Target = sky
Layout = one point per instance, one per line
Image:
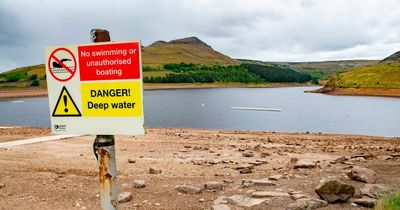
(267, 30)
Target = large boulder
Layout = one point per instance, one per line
(362, 174)
(332, 190)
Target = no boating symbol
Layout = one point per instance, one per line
(62, 64)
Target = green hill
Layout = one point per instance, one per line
(319, 69)
(24, 77)
(383, 75)
(377, 76)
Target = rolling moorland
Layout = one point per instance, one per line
(190, 60)
(381, 78)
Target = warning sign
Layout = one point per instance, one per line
(62, 64)
(65, 106)
(95, 89)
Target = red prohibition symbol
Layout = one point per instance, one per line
(62, 66)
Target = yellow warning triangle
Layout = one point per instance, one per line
(66, 106)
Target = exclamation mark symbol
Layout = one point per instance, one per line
(65, 103)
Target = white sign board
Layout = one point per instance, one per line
(95, 89)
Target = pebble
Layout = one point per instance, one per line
(305, 164)
(2, 185)
(268, 194)
(275, 177)
(155, 171)
(213, 186)
(366, 202)
(139, 184)
(130, 160)
(247, 154)
(220, 207)
(187, 189)
(307, 203)
(124, 197)
(257, 182)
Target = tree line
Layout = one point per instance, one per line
(244, 73)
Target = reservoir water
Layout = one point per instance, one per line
(211, 108)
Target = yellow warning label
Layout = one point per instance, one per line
(65, 106)
(106, 99)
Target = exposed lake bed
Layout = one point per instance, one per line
(283, 168)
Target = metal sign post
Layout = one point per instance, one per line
(97, 89)
(105, 151)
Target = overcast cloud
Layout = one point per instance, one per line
(268, 30)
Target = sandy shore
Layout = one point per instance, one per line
(10, 93)
(359, 91)
(63, 174)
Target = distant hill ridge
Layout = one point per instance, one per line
(393, 58)
(186, 50)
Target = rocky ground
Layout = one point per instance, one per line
(204, 169)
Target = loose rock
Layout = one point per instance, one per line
(187, 189)
(257, 182)
(298, 196)
(245, 171)
(332, 190)
(376, 190)
(366, 202)
(2, 185)
(268, 194)
(139, 184)
(124, 197)
(130, 160)
(220, 207)
(307, 203)
(305, 164)
(275, 177)
(247, 154)
(247, 202)
(362, 174)
(341, 159)
(213, 186)
(155, 171)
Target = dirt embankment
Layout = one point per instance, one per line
(358, 91)
(63, 174)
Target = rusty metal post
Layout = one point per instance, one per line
(105, 150)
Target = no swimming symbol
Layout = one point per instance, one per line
(62, 64)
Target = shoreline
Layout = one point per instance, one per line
(12, 93)
(390, 92)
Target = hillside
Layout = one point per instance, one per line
(24, 77)
(383, 78)
(187, 50)
(377, 76)
(319, 69)
(394, 58)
